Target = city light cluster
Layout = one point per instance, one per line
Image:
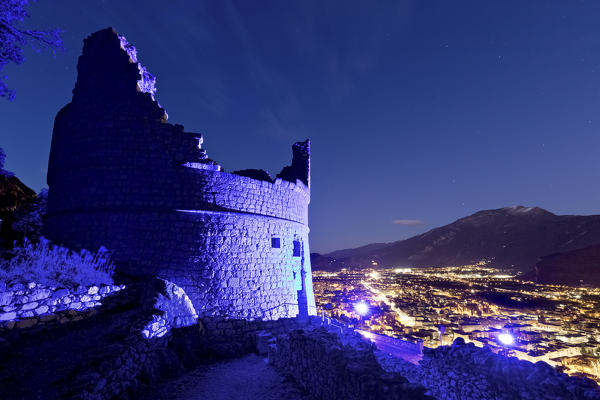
(483, 305)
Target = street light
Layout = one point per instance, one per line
(506, 340)
(361, 308)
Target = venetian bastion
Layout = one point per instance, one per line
(121, 177)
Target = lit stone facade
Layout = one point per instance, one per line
(123, 178)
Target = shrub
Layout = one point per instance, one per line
(56, 266)
(29, 219)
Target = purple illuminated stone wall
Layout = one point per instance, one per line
(35, 305)
(121, 177)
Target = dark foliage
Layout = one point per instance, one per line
(14, 195)
(57, 266)
(29, 219)
(13, 37)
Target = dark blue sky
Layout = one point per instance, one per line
(419, 112)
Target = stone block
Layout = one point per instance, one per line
(39, 294)
(29, 306)
(8, 316)
(41, 309)
(6, 298)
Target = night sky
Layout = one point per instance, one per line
(419, 112)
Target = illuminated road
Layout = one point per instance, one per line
(399, 348)
(403, 317)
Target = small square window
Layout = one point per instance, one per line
(297, 249)
(276, 243)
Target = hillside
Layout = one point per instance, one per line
(13, 195)
(575, 267)
(508, 237)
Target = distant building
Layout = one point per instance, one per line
(572, 338)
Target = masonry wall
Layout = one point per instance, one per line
(466, 372)
(327, 368)
(123, 178)
(225, 263)
(34, 304)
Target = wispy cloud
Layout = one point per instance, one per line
(280, 109)
(346, 43)
(211, 92)
(408, 222)
(276, 127)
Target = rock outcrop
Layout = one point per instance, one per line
(466, 372)
(329, 368)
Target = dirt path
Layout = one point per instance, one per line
(247, 378)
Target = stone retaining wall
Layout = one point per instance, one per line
(232, 338)
(104, 355)
(126, 365)
(329, 367)
(25, 306)
(466, 372)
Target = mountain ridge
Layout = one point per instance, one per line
(513, 237)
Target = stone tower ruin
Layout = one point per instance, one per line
(121, 177)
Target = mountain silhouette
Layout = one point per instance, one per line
(509, 237)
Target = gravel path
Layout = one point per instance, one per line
(246, 378)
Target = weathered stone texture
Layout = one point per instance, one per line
(123, 178)
(37, 304)
(466, 372)
(329, 367)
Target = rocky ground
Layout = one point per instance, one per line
(246, 378)
(95, 356)
(104, 356)
(465, 372)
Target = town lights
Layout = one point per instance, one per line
(361, 308)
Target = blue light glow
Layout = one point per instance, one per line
(362, 308)
(506, 339)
